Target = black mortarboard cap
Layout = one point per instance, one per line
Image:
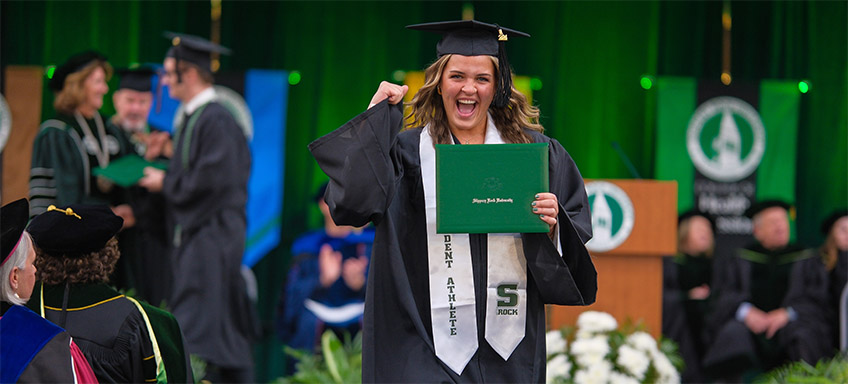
(827, 224)
(695, 212)
(73, 64)
(74, 231)
(137, 79)
(13, 221)
(194, 49)
(756, 208)
(473, 38)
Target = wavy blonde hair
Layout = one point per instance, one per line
(427, 108)
(72, 94)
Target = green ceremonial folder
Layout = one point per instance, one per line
(488, 188)
(126, 170)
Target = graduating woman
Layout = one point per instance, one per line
(430, 321)
(124, 340)
(32, 349)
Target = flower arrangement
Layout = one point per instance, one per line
(601, 353)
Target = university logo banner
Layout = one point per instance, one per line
(727, 147)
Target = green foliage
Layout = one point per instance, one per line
(338, 363)
(826, 371)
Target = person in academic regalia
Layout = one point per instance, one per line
(123, 339)
(770, 301)
(144, 244)
(205, 190)
(325, 288)
(76, 140)
(428, 320)
(32, 349)
(834, 253)
(686, 289)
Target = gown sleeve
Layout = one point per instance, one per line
(363, 165)
(56, 172)
(569, 279)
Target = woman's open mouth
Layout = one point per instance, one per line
(466, 107)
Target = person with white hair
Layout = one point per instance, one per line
(32, 349)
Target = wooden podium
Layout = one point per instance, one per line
(630, 275)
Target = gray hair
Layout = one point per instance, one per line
(16, 259)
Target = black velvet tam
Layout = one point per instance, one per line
(74, 231)
(765, 204)
(136, 79)
(13, 221)
(73, 64)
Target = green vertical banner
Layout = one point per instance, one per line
(727, 147)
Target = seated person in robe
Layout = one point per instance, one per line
(123, 339)
(325, 288)
(32, 349)
(770, 301)
(686, 289)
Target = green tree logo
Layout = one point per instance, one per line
(612, 216)
(725, 139)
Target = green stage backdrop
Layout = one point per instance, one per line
(589, 57)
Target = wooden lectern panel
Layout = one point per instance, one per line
(628, 286)
(655, 217)
(23, 94)
(630, 276)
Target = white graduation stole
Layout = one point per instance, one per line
(452, 300)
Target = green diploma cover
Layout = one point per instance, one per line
(488, 188)
(126, 170)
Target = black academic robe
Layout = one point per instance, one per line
(838, 278)
(145, 249)
(113, 333)
(205, 190)
(790, 277)
(683, 317)
(375, 176)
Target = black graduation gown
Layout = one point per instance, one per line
(375, 176)
(838, 277)
(145, 249)
(791, 277)
(205, 190)
(682, 317)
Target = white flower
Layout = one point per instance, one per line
(634, 361)
(643, 342)
(559, 366)
(595, 322)
(554, 343)
(596, 374)
(620, 378)
(667, 372)
(590, 351)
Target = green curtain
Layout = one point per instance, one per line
(588, 55)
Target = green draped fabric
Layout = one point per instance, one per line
(588, 55)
